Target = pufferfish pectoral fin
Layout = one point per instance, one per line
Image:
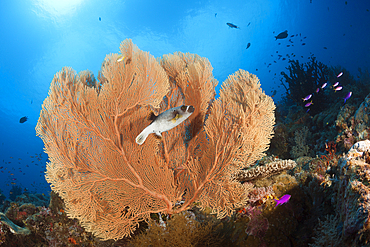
(158, 135)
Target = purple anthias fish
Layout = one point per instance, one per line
(338, 88)
(317, 90)
(282, 200)
(347, 96)
(340, 74)
(308, 104)
(336, 84)
(307, 97)
(324, 85)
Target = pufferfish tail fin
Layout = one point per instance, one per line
(140, 139)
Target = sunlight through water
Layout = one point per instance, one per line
(54, 9)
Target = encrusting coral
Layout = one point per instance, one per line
(266, 170)
(111, 184)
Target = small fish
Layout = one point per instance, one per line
(120, 58)
(23, 119)
(308, 104)
(325, 47)
(282, 200)
(232, 25)
(317, 90)
(336, 84)
(307, 97)
(340, 74)
(282, 35)
(99, 18)
(347, 96)
(292, 36)
(165, 121)
(248, 24)
(324, 85)
(303, 43)
(248, 45)
(287, 45)
(338, 88)
(215, 14)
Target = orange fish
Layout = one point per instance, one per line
(72, 240)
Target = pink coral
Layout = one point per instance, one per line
(258, 225)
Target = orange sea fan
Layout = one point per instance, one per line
(108, 182)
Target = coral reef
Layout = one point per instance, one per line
(329, 205)
(344, 202)
(109, 182)
(329, 113)
(353, 124)
(304, 79)
(280, 142)
(327, 233)
(2, 198)
(14, 192)
(28, 225)
(13, 227)
(330, 191)
(300, 139)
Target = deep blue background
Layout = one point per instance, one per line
(39, 37)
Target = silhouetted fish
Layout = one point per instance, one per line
(248, 45)
(232, 25)
(282, 35)
(23, 119)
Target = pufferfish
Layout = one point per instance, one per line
(165, 121)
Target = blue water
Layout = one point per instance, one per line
(39, 37)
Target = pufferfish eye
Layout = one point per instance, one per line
(183, 108)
